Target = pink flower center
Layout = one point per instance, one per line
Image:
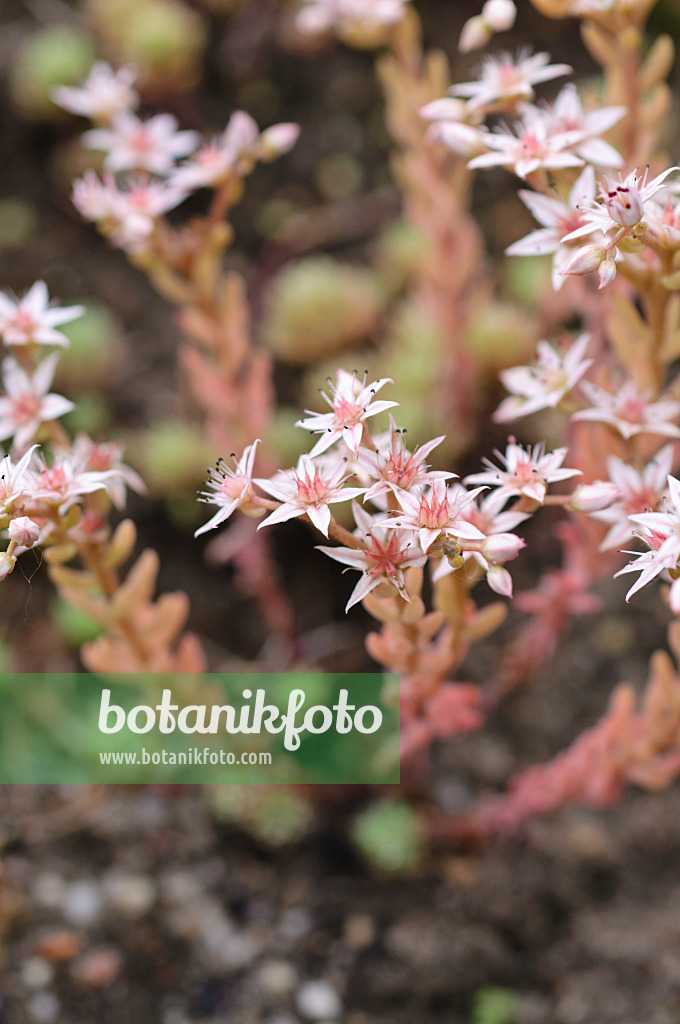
(525, 471)
(347, 412)
(639, 501)
(25, 408)
(99, 459)
(234, 486)
(633, 409)
(401, 471)
(531, 144)
(24, 321)
(311, 490)
(141, 141)
(508, 75)
(384, 557)
(435, 514)
(53, 479)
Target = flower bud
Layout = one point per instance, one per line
(607, 272)
(499, 14)
(500, 580)
(674, 597)
(502, 547)
(277, 140)
(476, 33)
(587, 259)
(462, 139)
(24, 531)
(594, 497)
(446, 109)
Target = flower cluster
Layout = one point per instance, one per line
(40, 492)
(409, 514)
(150, 165)
(541, 138)
(357, 22)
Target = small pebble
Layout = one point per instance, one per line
(359, 931)
(277, 977)
(318, 1001)
(98, 967)
(132, 895)
(295, 923)
(36, 972)
(50, 890)
(43, 1007)
(83, 903)
(180, 887)
(59, 945)
(226, 946)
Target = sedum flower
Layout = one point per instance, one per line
(629, 411)
(393, 467)
(308, 490)
(638, 490)
(31, 320)
(544, 384)
(62, 484)
(526, 473)
(505, 79)
(488, 514)
(662, 534)
(383, 559)
(352, 403)
(15, 480)
(103, 95)
(621, 204)
(568, 115)
(234, 153)
(127, 216)
(536, 143)
(231, 489)
(107, 457)
(557, 219)
(435, 514)
(27, 403)
(134, 145)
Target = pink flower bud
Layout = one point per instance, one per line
(278, 139)
(607, 272)
(624, 206)
(24, 531)
(476, 33)
(500, 580)
(446, 109)
(7, 563)
(584, 261)
(499, 14)
(594, 497)
(501, 547)
(674, 597)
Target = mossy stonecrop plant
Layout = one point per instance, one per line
(610, 391)
(610, 388)
(56, 494)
